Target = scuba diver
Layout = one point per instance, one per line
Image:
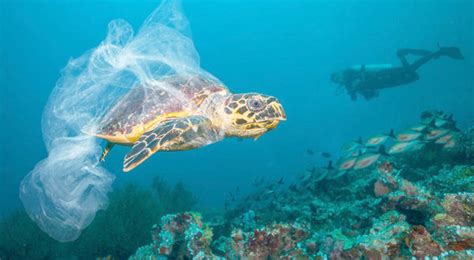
(366, 80)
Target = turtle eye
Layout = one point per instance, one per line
(255, 104)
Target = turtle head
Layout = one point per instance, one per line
(252, 114)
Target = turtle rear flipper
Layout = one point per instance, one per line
(106, 151)
(172, 135)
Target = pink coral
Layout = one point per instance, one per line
(385, 167)
(272, 240)
(380, 189)
(409, 188)
(460, 207)
(421, 244)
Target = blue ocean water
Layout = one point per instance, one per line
(284, 48)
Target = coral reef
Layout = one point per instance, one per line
(275, 240)
(179, 235)
(416, 203)
(184, 235)
(455, 227)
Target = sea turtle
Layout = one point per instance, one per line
(182, 113)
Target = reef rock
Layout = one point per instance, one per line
(178, 235)
(415, 204)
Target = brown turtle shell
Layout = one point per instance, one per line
(145, 106)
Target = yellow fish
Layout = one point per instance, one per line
(436, 133)
(444, 139)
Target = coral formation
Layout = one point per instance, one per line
(415, 203)
(275, 240)
(179, 235)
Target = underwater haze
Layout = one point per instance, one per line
(286, 49)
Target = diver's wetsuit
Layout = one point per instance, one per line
(368, 82)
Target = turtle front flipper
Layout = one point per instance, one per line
(172, 135)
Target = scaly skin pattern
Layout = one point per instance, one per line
(250, 115)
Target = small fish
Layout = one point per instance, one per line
(438, 122)
(444, 139)
(362, 150)
(402, 147)
(325, 154)
(335, 175)
(430, 117)
(350, 154)
(408, 135)
(351, 146)
(309, 152)
(452, 143)
(319, 176)
(376, 140)
(428, 121)
(426, 115)
(379, 139)
(436, 133)
(355, 153)
(451, 123)
(366, 161)
(419, 128)
(346, 164)
(431, 113)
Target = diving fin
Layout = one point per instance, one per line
(452, 52)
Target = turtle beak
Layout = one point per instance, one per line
(279, 113)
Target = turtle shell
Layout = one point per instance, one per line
(145, 106)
